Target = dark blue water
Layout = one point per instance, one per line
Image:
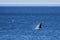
(18, 23)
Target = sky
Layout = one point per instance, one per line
(30, 2)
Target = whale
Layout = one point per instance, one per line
(39, 26)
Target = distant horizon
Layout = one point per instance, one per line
(29, 4)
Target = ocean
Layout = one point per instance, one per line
(18, 23)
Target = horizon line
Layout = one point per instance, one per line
(29, 4)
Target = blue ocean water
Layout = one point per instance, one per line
(18, 23)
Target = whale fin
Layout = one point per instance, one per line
(38, 26)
